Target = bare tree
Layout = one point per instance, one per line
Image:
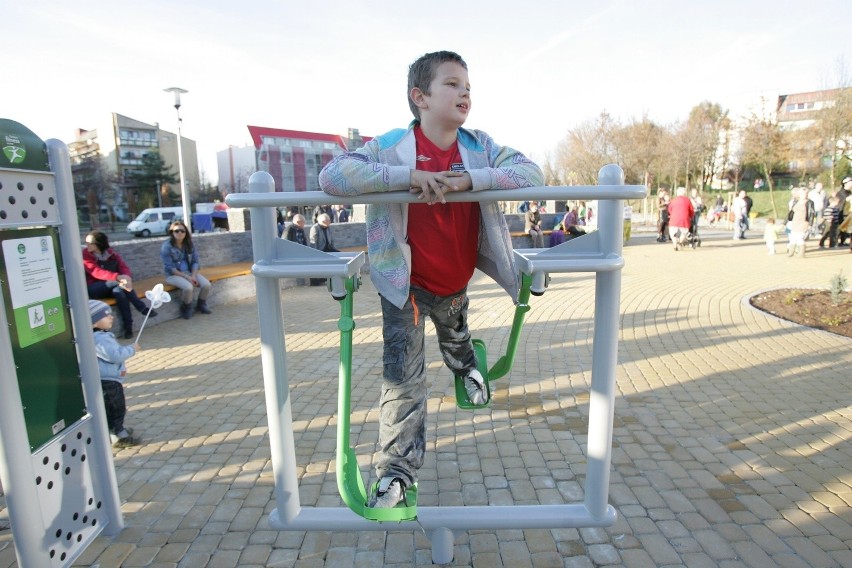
(551, 174)
(707, 124)
(638, 146)
(766, 146)
(833, 130)
(94, 183)
(807, 147)
(585, 150)
(670, 156)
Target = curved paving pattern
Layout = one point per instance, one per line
(731, 444)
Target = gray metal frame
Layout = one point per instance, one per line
(64, 494)
(598, 252)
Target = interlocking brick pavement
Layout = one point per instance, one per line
(731, 444)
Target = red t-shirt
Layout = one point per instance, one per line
(443, 237)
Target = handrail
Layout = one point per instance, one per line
(562, 193)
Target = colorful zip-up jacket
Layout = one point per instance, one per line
(385, 164)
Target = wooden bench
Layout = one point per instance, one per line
(212, 273)
(545, 232)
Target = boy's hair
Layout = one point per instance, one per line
(422, 71)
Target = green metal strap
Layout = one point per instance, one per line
(504, 364)
(349, 481)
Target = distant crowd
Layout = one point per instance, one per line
(811, 212)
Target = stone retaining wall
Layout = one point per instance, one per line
(215, 249)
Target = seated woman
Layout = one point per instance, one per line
(571, 224)
(108, 276)
(180, 262)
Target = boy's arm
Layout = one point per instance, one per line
(114, 352)
(509, 169)
(358, 172)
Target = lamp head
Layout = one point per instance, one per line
(177, 91)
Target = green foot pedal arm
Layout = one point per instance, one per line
(504, 364)
(349, 481)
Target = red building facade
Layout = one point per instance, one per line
(294, 158)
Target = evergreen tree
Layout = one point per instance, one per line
(155, 177)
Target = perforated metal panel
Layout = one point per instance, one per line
(72, 510)
(27, 199)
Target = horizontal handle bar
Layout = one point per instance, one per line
(561, 193)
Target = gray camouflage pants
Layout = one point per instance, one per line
(402, 427)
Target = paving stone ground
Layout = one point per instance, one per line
(731, 443)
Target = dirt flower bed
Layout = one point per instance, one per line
(813, 308)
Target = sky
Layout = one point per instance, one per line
(537, 68)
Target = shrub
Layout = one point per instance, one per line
(838, 288)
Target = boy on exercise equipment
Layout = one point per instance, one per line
(423, 255)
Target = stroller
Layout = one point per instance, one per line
(692, 238)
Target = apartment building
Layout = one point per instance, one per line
(799, 110)
(121, 142)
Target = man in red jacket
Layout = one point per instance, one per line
(681, 212)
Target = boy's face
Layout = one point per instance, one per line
(448, 101)
(104, 323)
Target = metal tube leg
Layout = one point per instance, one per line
(273, 355)
(443, 542)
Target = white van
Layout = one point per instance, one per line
(154, 221)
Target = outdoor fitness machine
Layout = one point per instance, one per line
(349, 481)
(275, 258)
(55, 457)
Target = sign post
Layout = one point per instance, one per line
(55, 457)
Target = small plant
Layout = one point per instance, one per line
(831, 321)
(793, 297)
(838, 288)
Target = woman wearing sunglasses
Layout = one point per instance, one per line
(180, 262)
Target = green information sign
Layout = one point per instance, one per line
(20, 148)
(35, 300)
(34, 288)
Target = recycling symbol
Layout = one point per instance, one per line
(15, 154)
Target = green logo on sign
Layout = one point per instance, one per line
(15, 154)
(21, 248)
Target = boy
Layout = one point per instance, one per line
(111, 358)
(831, 221)
(423, 255)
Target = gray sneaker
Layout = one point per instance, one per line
(125, 432)
(474, 384)
(389, 493)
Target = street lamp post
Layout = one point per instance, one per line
(184, 194)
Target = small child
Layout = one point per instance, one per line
(111, 358)
(770, 235)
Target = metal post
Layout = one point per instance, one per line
(78, 295)
(184, 194)
(273, 354)
(16, 468)
(604, 350)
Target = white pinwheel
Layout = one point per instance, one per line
(157, 296)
